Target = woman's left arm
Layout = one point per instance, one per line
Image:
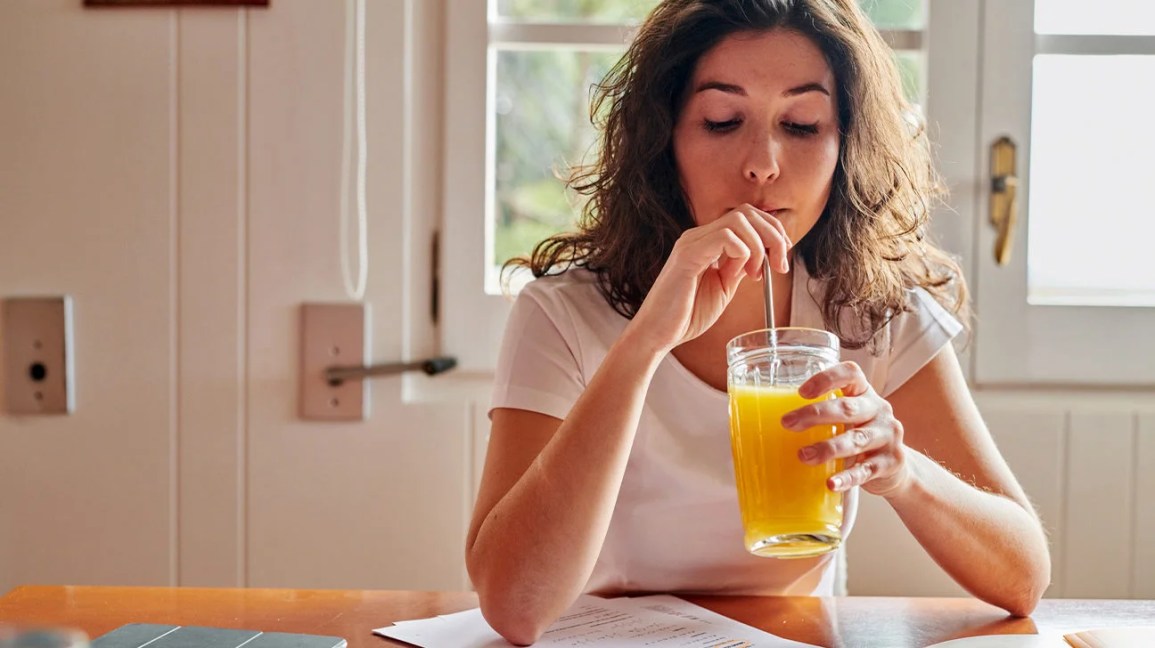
(928, 452)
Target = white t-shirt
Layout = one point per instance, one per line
(676, 525)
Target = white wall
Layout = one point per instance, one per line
(177, 173)
(88, 207)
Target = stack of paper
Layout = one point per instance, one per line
(622, 622)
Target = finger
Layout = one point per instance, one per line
(847, 376)
(771, 234)
(743, 225)
(773, 219)
(711, 248)
(869, 468)
(733, 251)
(850, 410)
(731, 272)
(851, 443)
(781, 243)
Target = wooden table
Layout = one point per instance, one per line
(858, 622)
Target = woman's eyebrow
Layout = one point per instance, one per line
(739, 90)
(724, 87)
(806, 87)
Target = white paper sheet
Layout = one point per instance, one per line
(663, 621)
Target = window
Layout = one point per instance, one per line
(1085, 181)
(1073, 90)
(547, 54)
(517, 116)
(518, 96)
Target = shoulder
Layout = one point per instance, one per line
(907, 341)
(572, 295)
(556, 335)
(575, 284)
(920, 311)
(923, 314)
(913, 337)
(570, 302)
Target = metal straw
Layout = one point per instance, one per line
(768, 292)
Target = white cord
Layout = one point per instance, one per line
(354, 76)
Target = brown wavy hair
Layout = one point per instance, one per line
(869, 246)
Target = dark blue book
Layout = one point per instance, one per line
(136, 635)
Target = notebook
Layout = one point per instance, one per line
(135, 635)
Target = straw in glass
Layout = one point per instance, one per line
(768, 292)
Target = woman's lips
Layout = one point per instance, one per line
(773, 211)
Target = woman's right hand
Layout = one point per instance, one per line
(703, 272)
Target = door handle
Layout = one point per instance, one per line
(1004, 197)
(431, 367)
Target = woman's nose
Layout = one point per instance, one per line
(762, 160)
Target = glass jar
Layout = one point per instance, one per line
(788, 511)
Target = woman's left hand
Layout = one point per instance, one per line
(872, 441)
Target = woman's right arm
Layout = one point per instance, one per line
(549, 487)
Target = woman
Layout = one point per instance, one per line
(737, 129)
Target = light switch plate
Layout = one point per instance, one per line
(37, 336)
(333, 335)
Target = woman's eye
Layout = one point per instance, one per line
(801, 129)
(721, 126)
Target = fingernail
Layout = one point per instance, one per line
(785, 267)
(789, 420)
(836, 482)
(807, 453)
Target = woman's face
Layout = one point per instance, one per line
(760, 126)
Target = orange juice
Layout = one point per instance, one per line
(787, 510)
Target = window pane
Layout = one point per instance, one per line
(608, 11)
(541, 106)
(1092, 219)
(1132, 17)
(895, 14)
